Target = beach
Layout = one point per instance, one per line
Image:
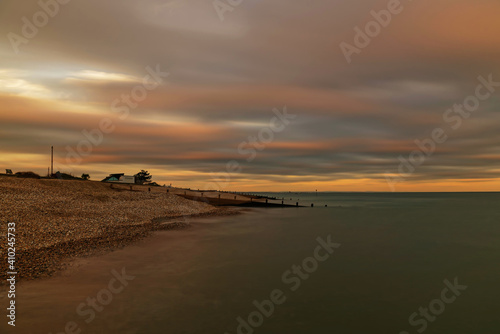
(390, 256)
(59, 220)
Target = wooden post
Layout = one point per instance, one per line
(52, 160)
(312, 205)
(297, 204)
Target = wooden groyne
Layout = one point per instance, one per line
(217, 198)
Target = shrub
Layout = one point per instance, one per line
(30, 175)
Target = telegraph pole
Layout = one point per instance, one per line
(51, 161)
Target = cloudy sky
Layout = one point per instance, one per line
(85, 71)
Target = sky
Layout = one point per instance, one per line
(273, 95)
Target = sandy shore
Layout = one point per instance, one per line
(58, 220)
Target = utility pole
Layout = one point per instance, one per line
(52, 161)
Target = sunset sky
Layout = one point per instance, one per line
(349, 124)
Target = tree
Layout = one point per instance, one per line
(143, 177)
(85, 176)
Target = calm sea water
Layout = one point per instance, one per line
(396, 252)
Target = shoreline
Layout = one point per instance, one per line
(60, 221)
(56, 258)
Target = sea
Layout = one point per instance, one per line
(388, 263)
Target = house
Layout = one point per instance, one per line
(120, 178)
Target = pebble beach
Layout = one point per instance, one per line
(59, 220)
